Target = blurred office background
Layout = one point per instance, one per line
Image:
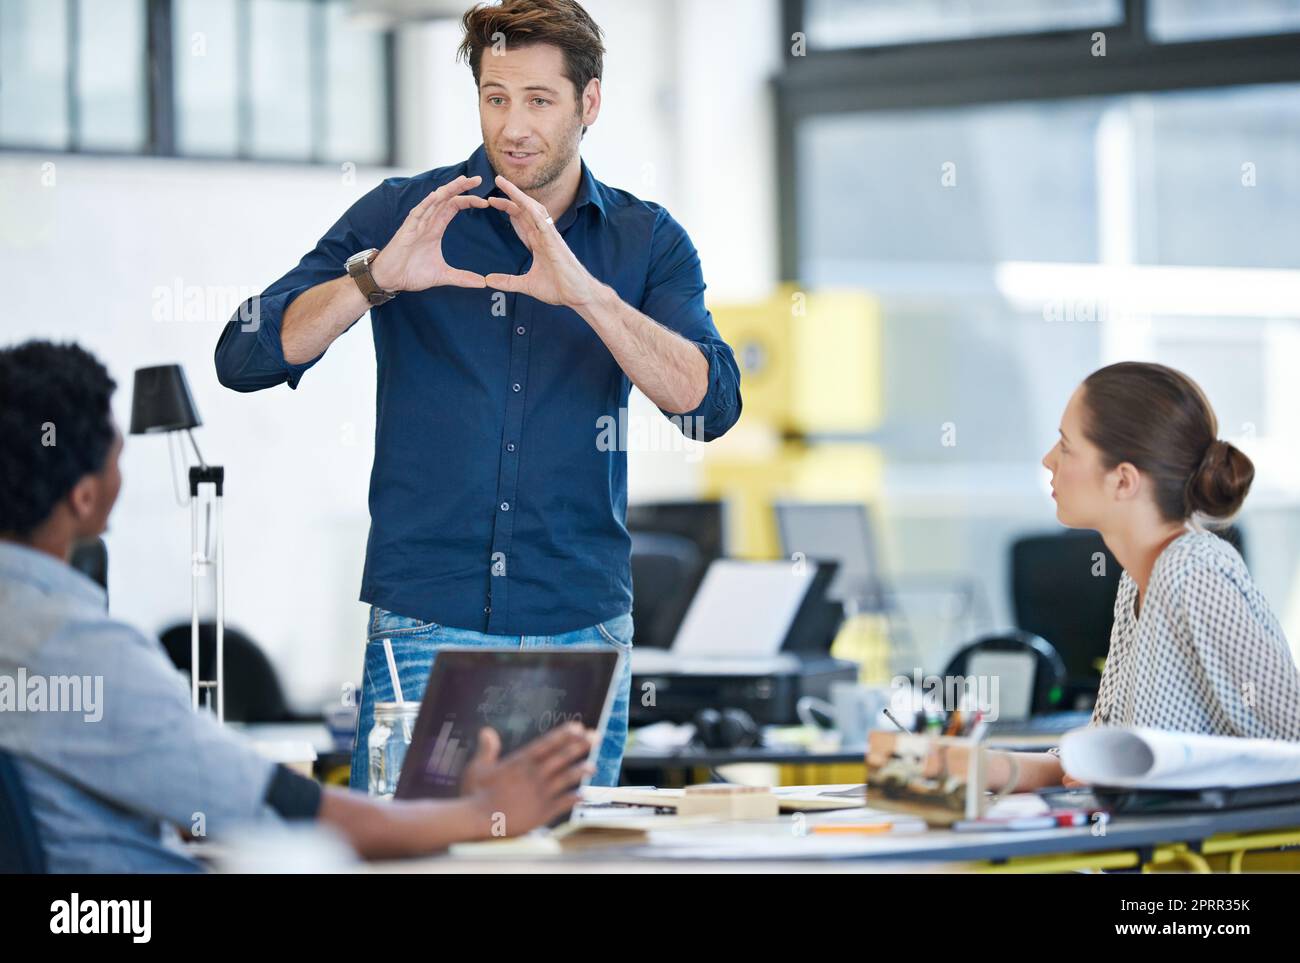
(922, 222)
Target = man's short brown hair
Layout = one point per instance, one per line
(521, 23)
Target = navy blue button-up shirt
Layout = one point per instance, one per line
(494, 504)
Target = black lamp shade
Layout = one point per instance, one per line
(162, 400)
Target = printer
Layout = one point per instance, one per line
(757, 637)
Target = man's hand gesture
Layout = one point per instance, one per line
(412, 260)
(557, 276)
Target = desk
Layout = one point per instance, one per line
(774, 845)
(1131, 842)
(800, 766)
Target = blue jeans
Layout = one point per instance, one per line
(415, 644)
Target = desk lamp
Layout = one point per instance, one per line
(162, 403)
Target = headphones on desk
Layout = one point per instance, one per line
(725, 729)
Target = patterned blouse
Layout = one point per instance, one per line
(1204, 655)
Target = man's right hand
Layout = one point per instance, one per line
(532, 785)
(412, 260)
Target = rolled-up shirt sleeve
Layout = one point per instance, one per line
(249, 355)
(140, 746)
(674, 297)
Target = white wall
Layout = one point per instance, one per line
(92, 255)
(109, 240)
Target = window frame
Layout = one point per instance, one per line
(160, 94)
(998, 69)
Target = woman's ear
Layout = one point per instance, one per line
(1127, 481)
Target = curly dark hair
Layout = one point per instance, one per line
(56, 427)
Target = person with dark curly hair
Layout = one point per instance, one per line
(58, 461)
(98, 720)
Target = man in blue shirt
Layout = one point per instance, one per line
(98, 721)
(514, 301)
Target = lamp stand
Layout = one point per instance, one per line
(202, 560)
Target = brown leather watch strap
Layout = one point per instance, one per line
(358, 268)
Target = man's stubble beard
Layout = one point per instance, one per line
(551, 171)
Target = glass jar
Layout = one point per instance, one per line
(390, 737)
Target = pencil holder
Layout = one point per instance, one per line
(942, 779)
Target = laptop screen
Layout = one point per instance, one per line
(521, 693)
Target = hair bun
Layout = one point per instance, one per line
(1219, 485)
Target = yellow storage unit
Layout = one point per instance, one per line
(794, 471)
(810, 363)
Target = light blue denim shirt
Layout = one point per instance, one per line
(99, 723)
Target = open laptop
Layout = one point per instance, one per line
(522, 693)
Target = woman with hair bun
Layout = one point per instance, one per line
(1194, 646)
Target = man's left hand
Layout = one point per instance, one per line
(556, 276)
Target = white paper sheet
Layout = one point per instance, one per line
(1155, 759)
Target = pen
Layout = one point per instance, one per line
(1003, 825)
(954, 727)
(890, 716)
(1066, 818)
(853, 828)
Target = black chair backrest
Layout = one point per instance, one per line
(20, 844)
(90, 558)
(253, 691)
(1063, 588)
(1049, 670)
(704, 523)
(666, 571)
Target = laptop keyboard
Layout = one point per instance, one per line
(1049, 724)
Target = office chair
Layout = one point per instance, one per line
(1063, 588)
(702, 523)
(90, 558)
(253, 691)
(1049, 669)
(20, 844)
(1061, 591)
(666, 569)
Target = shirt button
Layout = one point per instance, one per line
(487, 610)
(515, 386)
(505, 506)
(520, 330)
(510, 446)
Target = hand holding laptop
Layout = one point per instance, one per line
(531, 786)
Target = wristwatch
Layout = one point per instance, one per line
(358, 267)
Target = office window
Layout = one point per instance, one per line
(33, 73)
(290, 80)
(1220, 174)
(281, 34)
(1174, 21)
(205, 52)
(279, 80)
(832, 24)
(940, 186)
(1065, 235)
(355, 66)
(110, 90)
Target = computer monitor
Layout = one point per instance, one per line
(840, 532)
